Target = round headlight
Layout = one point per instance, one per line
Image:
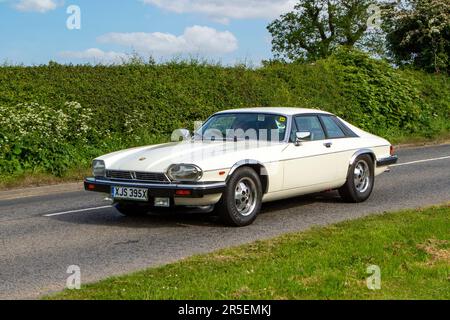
(98, 168)
(184, 172)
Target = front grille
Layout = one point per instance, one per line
(151, 176)
(138, 176)
(126, 175)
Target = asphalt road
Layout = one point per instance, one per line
(36, 249)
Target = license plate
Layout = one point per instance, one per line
(127, 193)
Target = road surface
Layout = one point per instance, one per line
(40, 237)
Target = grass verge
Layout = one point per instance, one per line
(418, 141)
(29, 179)
(412, 248)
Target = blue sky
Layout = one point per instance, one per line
(230, 31)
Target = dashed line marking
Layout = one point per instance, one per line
(77, 211)
(420, 161)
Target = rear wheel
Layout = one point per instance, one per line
(241, 201)
(360, 180)
(131, 209)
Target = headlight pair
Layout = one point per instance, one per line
(184, 173)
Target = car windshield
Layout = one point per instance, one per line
(244, 126)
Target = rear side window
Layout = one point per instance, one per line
(332, 128)
(309, 124)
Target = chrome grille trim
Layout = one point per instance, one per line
(140, 176)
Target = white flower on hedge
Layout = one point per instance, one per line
(35, 122)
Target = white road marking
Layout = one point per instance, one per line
(419, 161)
(76, 211)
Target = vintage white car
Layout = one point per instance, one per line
(239, 159)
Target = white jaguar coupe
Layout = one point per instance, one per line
(239, 159)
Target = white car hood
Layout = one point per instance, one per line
(206, 155)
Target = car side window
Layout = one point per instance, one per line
(333, 130)
(309, 124)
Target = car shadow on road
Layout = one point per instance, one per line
(298, 202)
(179, 219)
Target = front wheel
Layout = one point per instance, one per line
(360, 180)
(241, 201)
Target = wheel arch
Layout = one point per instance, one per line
(361, 152)
(348, 191)
(259, 168)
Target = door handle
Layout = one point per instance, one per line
(328, 144)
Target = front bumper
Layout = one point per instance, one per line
(197, 190)
(385, 162)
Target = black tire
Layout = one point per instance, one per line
(357, 188)
(234, 212)
(131, 209)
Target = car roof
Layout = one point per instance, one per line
(276, 110)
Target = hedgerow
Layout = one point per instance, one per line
(54, 117)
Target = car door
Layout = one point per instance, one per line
(310, 163)
(343, 143)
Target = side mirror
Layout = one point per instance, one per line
(302, 136)
(181, 135)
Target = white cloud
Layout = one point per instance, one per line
(194, 40)
(41, 6)
(223, 10)
(95, 54)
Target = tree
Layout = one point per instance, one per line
(418, 34)
(317, 27)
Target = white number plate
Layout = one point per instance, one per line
(127, 193)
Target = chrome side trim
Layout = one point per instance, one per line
(322, 154)
(242, 163)
(361, 152)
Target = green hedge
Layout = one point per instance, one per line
(137, 104)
